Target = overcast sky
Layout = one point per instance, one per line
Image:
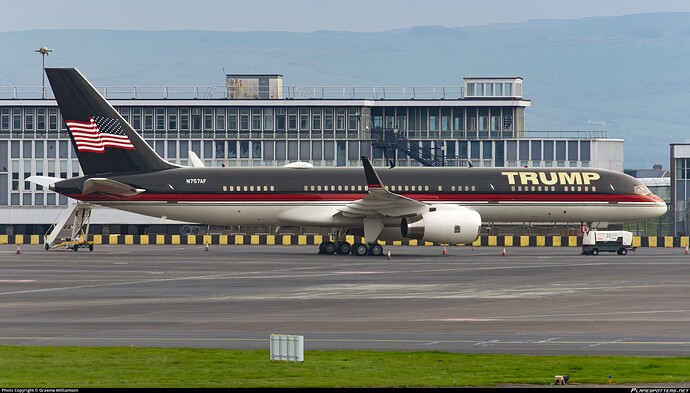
(304, 15)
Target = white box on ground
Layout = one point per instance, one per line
(287, 347)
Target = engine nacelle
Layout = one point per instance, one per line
(452, 226)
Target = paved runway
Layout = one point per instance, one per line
(536, 300)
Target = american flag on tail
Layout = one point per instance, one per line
(99, 133)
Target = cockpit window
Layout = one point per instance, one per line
(641, 189)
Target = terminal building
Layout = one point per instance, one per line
(256, 120)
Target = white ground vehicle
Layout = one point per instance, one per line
(594, 242)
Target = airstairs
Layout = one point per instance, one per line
(71, 228)
(392, 140)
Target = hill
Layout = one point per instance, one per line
(624, 74)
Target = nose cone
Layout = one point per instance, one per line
(657, 207)
(661, 207)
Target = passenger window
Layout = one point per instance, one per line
(225, 188)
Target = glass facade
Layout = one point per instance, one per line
(324, 132)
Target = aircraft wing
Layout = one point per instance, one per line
(380, 202)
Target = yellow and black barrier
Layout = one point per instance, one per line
(314, 239)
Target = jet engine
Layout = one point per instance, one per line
(452, 226)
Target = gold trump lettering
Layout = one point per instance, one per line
(551, 178)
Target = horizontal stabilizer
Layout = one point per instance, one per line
(109, 186)
(45, 181)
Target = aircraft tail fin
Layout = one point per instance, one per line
(105, 143)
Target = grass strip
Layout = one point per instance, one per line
(85, 367)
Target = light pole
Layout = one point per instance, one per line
(44, 51)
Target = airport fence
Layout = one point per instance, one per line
(297, 240)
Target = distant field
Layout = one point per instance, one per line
(43, 367)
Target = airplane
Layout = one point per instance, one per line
(444, 205)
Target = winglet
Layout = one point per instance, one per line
(373, 179)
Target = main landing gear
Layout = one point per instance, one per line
(343, 247)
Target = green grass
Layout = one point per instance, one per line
(155, 367)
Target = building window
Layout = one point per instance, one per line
(208, 119)
(470, 89)
(148, 119)
(292, 119)
(28, 119)
(220, 149)
(16, 119)
(471, 119)
(352, 119)
(220, 119)
(479, 89)
(340, 119)
(401, 123)
(232, 119)
(280, 119)
(244, 149)
(304, 119)
(136, 119)
(256, 119)
(160, 119)
(52, 119)
(172, 119)
(5, 119)
(196, 119)
(328, 119)
(244, 119)
(433, 119)
(184, 119)
(268, 119)
(41, 119)
(316, 119)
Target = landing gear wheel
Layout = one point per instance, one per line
(595, 251)
(360, 249)
(375, 249)
(342, 248)
(327, 247)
